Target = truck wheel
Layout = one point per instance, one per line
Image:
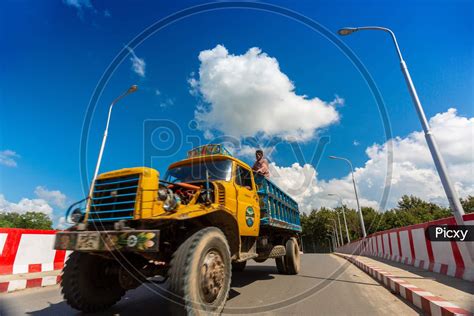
(281, 265)
(200, 272)
(292, 257)
(87, 285)
(239, 266)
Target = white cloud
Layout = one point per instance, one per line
(355, 143)
(413, 169)
(208, 135)
(138, 64)
(78, 4)
(300, 182)
(247, 151)
(157, 92)
(166, 103)
(81, 6)
(54, 197)
(258, 97)
(62, 224)
(107, 13)
(25, 205)
(44, 203)
(8, 158)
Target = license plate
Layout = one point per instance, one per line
(126, 240)
(88, 241)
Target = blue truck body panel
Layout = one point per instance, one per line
(277, 209)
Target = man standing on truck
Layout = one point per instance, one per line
(261, 164)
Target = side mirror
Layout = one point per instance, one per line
(76, 215)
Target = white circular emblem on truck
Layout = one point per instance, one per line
(132, 241)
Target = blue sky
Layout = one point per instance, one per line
(55, 52)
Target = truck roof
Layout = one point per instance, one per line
(208, 152)
(206, 158)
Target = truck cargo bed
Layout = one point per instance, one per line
(277, 209)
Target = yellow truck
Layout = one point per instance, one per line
(205, 217)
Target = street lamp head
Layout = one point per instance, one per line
(132, 89)
(331, 194)
(347, 31)
(333, 157)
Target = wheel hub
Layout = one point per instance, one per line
(212, 276)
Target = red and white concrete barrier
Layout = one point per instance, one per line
(409, 245)
(27, 251)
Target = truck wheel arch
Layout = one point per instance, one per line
(228, 224)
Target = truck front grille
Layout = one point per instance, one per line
(114, 198)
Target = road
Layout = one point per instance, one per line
(326, 285)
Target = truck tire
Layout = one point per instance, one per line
(239, 266)
(292, 257)
(86, 286)
(281, 265)
(200, 273)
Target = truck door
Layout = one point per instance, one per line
(248, 209)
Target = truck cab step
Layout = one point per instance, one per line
(275, 252)
(244, 256)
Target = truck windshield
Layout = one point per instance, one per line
(218, 170)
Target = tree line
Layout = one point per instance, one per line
(31, 220)
(318, 225)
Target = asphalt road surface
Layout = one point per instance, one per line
(326, 285)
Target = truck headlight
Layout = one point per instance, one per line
(172, 201)
(162, 194)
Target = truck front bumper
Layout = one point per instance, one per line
(123, 240)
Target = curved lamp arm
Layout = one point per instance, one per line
(350, 30)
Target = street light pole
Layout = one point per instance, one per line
(331, 247)
(101, 152)
(440, 165)
(340, 227)
(343, 215)
(361, 217)
(334, 228)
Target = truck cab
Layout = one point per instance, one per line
(208, 214)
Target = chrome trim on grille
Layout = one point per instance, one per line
(114, 199)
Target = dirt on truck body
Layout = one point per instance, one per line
(205, 217)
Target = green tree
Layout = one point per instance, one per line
(31, 220)
(409, 210)
(414, 210)
(316, 226)
(372, 220)
(468, 204)
(9, 220)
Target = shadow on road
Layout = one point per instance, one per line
(150, 298)
(55, 309)
(249, 275)
(252, 274)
